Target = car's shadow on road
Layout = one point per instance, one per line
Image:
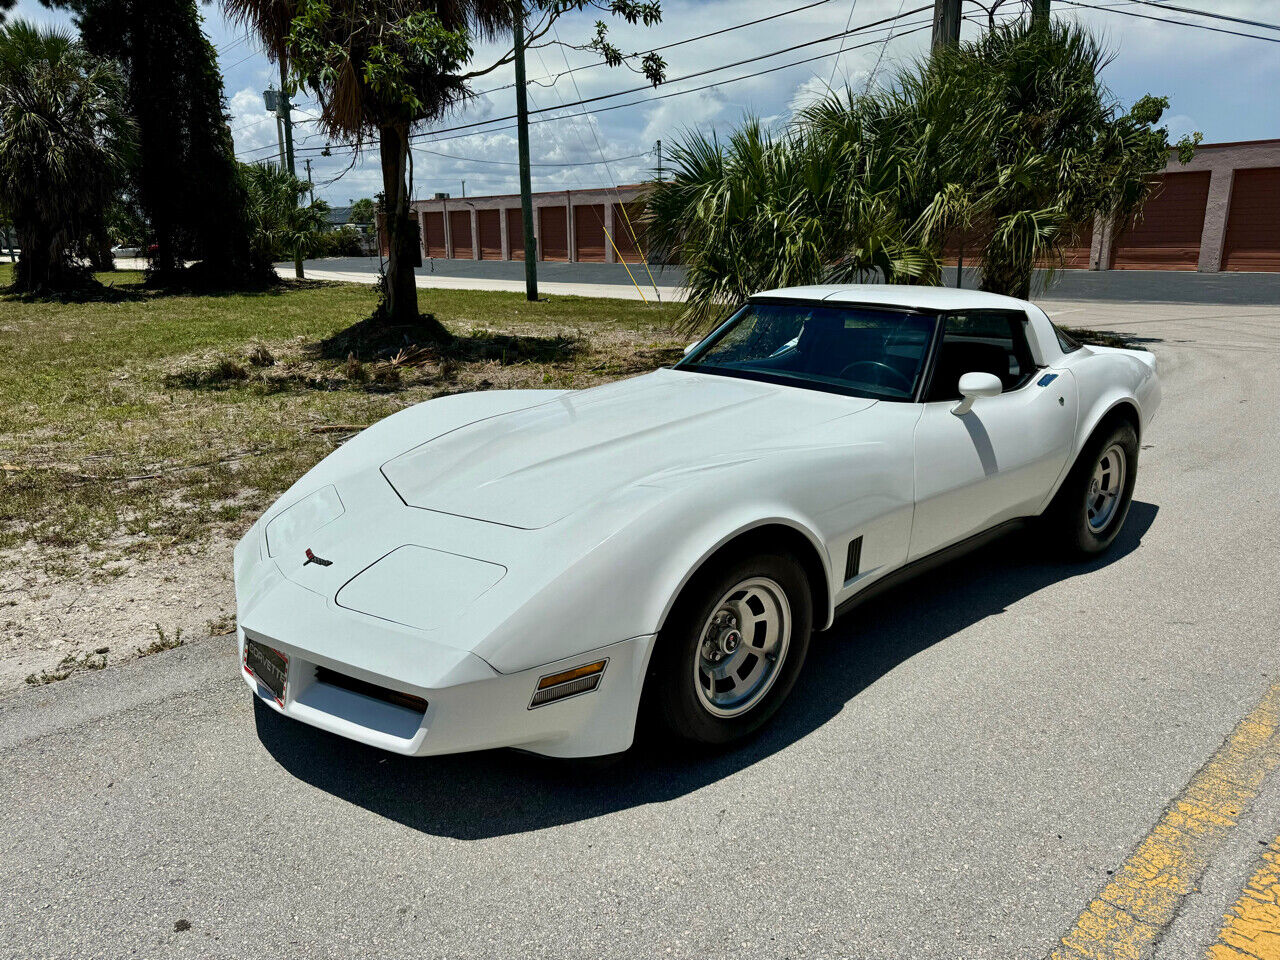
(480, 795)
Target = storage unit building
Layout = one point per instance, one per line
(489, 229)
(1252, 239)
(1166, 235)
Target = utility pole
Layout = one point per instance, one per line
(946, 23)
(310, 185)
(271, 100)
(1040, 13)
(522, 139)
(286, 121)
(658, 149)
(464, 189)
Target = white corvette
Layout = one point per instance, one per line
(531, 568)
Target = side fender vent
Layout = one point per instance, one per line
(853, 561)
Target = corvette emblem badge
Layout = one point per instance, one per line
(312, 558)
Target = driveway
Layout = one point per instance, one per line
(1008, 752)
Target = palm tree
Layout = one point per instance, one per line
(378, 67)
(1011, 140)
(764, 210)
(280, 222)
(65, 139)
(1027, 145)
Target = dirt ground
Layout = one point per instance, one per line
(50, 625)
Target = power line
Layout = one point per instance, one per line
(847, 24)
(231, 46)
(677, 93)
(432, 135)
(674, 43)
(586, 113)
(513, 163)
(1207, 13)
(1181, 23)
(702, 73)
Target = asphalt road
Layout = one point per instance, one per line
(963, 767)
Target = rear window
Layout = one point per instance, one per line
(1068, 343)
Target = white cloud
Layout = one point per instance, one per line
(671, 116)
(253, 128)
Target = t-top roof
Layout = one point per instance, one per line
(900, 295)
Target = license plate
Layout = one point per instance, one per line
(269, 665)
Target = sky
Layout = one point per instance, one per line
(1218, 84)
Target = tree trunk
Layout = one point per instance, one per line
(1001, 275)
(401, 289)
(100, 254)
(32, 273)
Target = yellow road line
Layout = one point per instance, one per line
(1126, 919)
(1252, 929)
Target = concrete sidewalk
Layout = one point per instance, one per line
(324, 270)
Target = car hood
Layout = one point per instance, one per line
(531, 467)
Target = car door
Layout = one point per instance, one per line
(1000, 459)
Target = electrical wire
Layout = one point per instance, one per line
(1182, 23)
(626, 219)
(847, 23)
(1207, 13)
(434, 135)
(669, 46)
(516, 163)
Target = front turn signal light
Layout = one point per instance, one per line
(568, 683)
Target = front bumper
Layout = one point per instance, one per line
(335, 653)
(475, 715)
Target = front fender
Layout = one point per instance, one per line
(649, 539)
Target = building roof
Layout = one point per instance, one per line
(537, 194)
(336, 216)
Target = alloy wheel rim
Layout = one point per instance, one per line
(1105, 486)
(742, 647)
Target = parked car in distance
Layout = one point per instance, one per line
(126, 251)
(531, 568)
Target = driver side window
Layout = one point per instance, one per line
(981, 341)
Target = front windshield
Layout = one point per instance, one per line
(842, 349)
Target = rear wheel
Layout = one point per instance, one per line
(1092, 504)
(732, 648)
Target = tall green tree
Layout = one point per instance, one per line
(362, 211)
(185, 178)
(1024, 145)
(281, 224)
(1011, 140)
(763, 210)
(65, 142)
(381, 67)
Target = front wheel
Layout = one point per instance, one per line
(732, 648)
(1092, 504)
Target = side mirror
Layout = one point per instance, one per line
(975, 385)
(689, 349)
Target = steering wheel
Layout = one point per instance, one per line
(878, 366)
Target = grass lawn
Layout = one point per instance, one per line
(144, 421)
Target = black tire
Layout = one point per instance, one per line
(1068, 516)
(671, 697)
